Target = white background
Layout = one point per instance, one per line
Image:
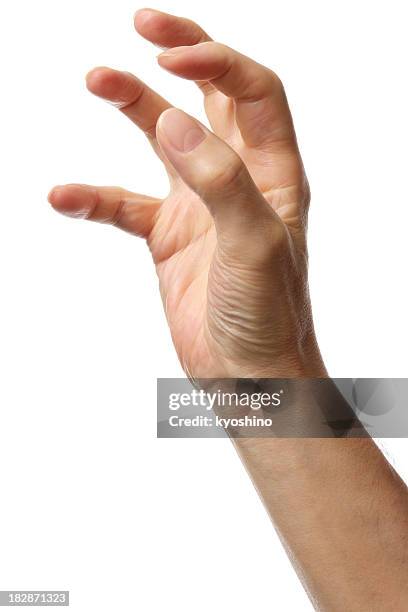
(91, 501)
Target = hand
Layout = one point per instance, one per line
(229, 241)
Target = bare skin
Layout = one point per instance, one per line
(230, 237)
(229, 244)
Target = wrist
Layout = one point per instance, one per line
(303, 360)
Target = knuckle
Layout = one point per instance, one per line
(275, 82)
(198, 33)
(227, 176)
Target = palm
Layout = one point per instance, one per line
(183, 240)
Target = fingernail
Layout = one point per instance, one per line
(171, 52)
(182, 131)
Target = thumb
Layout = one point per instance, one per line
(214, 171)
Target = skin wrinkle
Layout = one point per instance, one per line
(178, 249)
(150, 130)
(232, 275)
(239, 326)
(118, 214)
(222, 179)
(125, 105)
(90, 211)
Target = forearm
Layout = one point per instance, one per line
(342, 514)
(230, 248)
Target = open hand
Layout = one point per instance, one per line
(229, 241)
